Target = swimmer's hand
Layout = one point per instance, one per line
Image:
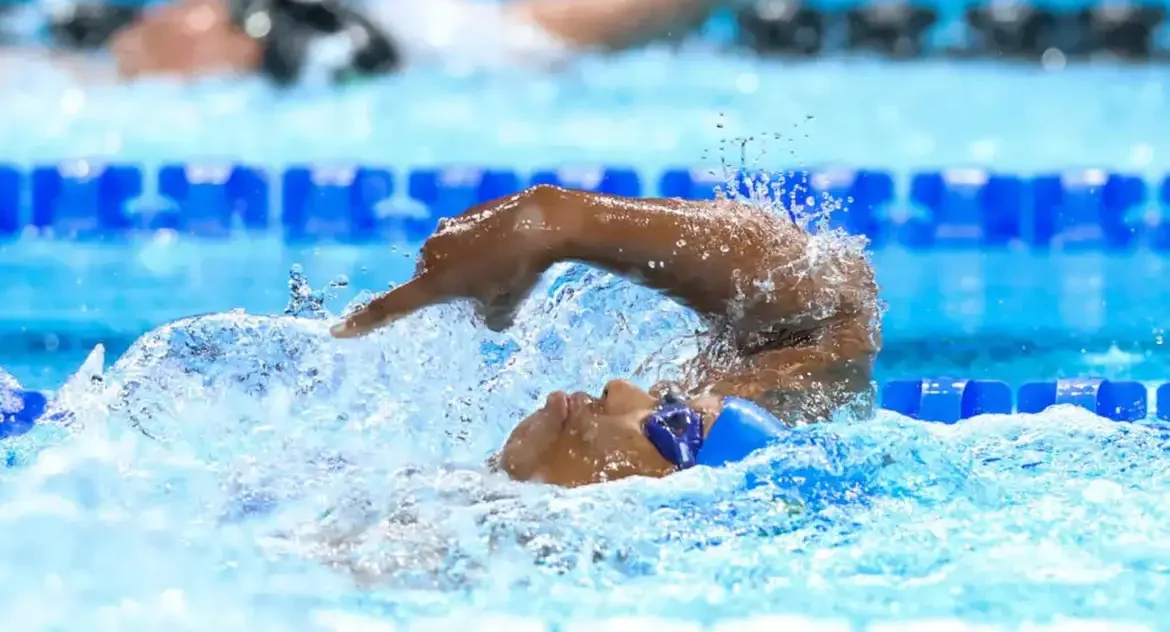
(492, 254)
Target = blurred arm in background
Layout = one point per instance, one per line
(612, 23)
(282, 38)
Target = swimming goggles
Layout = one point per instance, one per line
(676, 431)
(741, 428)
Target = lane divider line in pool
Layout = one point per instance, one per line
(948, 400)
(939, 400)
(1086, 209)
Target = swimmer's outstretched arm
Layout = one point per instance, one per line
(797, 317)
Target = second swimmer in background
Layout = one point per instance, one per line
(794, 318)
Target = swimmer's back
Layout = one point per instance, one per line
(466, 34)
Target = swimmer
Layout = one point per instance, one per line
(795, 324)
(290, 40)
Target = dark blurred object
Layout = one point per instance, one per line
(1120, 28)
(782, 26)
(1014, 29)
(89, 25)
(299, 36)
(893, 28)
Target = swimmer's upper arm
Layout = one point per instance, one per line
(810, 382)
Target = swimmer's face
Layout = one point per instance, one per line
(580, 440)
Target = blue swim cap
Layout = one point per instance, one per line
(742, 428)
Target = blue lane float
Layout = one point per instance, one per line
(964, 208)
(1119, 401)
(1087, 209)
(20, 409)
(954, 208)
(211, 200)
(333, 203)
(83, 199)
(447, 192)
(947, 400)
(611, 180)
(1162, 402)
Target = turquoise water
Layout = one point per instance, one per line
(207, 470)
(648, 110)
(1014, 316)
(242, 473)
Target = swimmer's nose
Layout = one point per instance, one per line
(620, 396)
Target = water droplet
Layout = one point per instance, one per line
(680, 243)
(724, 249)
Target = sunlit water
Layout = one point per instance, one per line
(236, 472)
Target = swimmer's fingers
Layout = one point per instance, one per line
(402, 300)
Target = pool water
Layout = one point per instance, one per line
(1012, 316)
(237, 472)
(646, 109)
(252, 468)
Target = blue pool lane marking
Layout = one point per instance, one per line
(1077, 209)
(20, 410)
(947, 400)
(952, 400)
(971, 208)
(212, 200)
(1119, 401)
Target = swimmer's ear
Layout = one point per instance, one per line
(401, 301)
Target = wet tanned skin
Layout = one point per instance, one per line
(800, 321)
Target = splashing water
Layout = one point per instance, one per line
(238, 472)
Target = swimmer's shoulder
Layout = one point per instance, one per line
(802, 286)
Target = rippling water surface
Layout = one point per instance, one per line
(244, 472)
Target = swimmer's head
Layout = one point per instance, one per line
(580, 440)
